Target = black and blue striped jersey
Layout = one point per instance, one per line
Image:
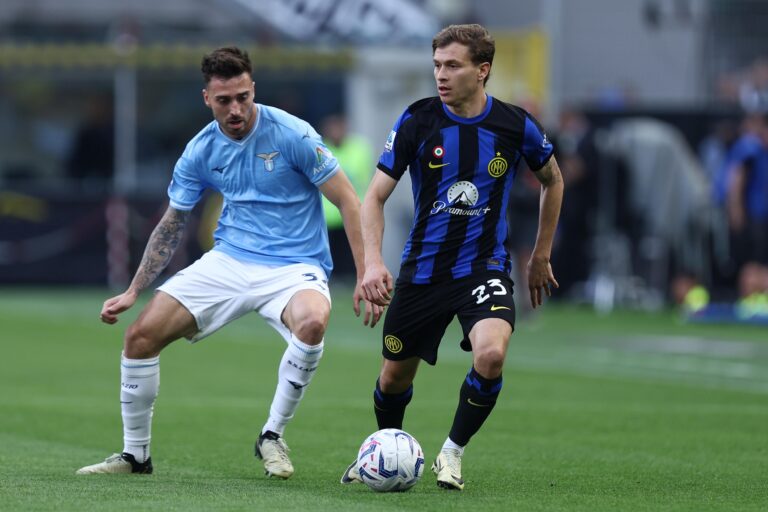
(462, 170)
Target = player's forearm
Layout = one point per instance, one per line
(373, 230)
(160, 248)
(350, 215)
(549, 208)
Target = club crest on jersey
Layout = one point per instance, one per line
(390, 141)
(438, 151)
(269, 160)
(497, 166)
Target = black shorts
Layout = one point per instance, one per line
(419, 313)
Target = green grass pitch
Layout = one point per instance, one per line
(631, 411)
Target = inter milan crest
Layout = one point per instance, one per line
(269, 160)
(498, 166)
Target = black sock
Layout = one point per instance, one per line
(476, 400)
(390, 408)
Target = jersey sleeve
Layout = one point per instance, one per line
(537, 150)
(313, 158)
(399, 149)
(186, 187)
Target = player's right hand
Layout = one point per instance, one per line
(377, 284)
(116, 305)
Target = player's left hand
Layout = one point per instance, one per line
(540, 279)
(373, 312)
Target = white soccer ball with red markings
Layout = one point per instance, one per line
(390, 460)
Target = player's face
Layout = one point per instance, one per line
(231, 100)
(458, 78)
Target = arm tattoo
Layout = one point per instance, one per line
(162, 244)
(550, 173)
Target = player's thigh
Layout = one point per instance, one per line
(490, 340)
(162, 321)
(295, 301)
(489, 295)
(415, 323)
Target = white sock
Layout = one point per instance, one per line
(450, 445)
(296, 369)
(139, 385)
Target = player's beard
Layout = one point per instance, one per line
(236, 126)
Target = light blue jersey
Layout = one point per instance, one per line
(272, 213)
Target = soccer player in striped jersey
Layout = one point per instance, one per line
(270, 255)
(462, 149)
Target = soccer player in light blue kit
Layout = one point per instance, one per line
(270, 255)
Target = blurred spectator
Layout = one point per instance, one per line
(355, 157)
(747, 87)
(753, 90)
(747, 193)
(753, 290)
(91, 161)
(713, 152)
(689, 293)
(578, 159)
(669, 197)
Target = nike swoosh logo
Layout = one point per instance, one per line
(470, 402)
(437, 166)
(496, 308)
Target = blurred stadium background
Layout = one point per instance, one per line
(643, 98)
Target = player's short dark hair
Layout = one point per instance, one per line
(227, 62)
(475, 37)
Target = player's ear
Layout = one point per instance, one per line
(484, 70)
(205, 98)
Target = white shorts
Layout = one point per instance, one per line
(217, 289)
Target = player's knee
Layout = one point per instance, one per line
(392, 382)
(311, 327)
(139, 342)
(489, 361)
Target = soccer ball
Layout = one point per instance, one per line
(390, 460)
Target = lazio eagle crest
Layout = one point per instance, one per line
(269, 160)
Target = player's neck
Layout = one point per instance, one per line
(473, 107)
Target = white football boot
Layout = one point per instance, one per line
(272, 449)
(447, 467)
(351, 475)
(118, 463)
